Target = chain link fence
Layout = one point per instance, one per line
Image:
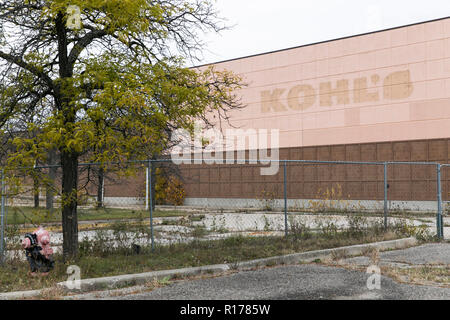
(156, 202)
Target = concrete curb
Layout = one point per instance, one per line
(115, 282)
(327, 254)
(19, 295)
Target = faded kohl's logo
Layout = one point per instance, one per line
(395, 86)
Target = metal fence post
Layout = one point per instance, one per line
(285, 200)
(147, 173)
(150, 201)
(2, 233)
(439, 220)
(385, 196)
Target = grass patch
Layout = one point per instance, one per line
(95, 261)
(27, 215)
(423, 275)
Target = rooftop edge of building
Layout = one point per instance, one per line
(316, 43)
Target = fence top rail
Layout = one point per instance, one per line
(247, 161)
(267, 161)
(414, 163)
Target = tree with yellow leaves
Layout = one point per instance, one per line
(104, 80)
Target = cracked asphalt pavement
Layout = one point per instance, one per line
(308, 281)
(297, 282)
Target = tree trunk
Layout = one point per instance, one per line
(69, 159)
(100, 190)
(49, 191)
(69, 162)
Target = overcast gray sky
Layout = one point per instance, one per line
(267, 25)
